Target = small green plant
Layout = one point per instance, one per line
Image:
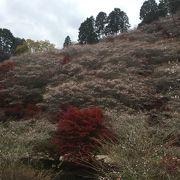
(21, 49)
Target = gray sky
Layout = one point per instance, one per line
(53, 20)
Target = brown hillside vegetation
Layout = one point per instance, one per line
(134, 77)
(137, 70)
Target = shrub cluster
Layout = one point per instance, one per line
(79, 134)
(6, 66)
(171, 164)
(66, 59)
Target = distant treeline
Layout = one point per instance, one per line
(91, 30)
(10, 45)
(94, 29)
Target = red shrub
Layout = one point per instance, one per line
(110, 39)
(171, 164)
(6, 66)
(67, 59)
(79, 132)
(31, 110)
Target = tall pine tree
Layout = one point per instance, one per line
(100, 23)
(173, 6)
(67, 42)
(87, 34)
(149, 12)
(118, 21)
(7, 44)
(163, 8)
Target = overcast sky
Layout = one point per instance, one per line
(55, 19)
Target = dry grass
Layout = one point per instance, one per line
(141, 149)
(19, 172)
(17, 142)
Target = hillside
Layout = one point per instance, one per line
(138, 70)
(135, 75)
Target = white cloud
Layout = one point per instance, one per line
(55, 19)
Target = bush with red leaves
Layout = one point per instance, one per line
(110, 39)
(171, 164)
(67, 59)
(31, 110)
(6, 66)
(79, 133)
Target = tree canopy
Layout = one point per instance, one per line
(117, 21)
(149, 11)
(162, 8)
(7, 44)
(173, 5)
(87, 34)
(39, 46)
(100, 23)
(67, 42)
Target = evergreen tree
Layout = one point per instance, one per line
(113, 25)
(173, 6)
(163, 8)
(149, 11)
(87, 32)
(118, 21)
(19, 41)
(21, 48)
(7, 44)
(101, 20)
(67, 42)
(124, 22)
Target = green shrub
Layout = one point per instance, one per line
(21, 49)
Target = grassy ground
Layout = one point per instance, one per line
(18, 140)
(144, 151)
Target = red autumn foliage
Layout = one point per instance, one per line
(79, 133)
(110, 39)
(6, 66)
(31, 110)
(171, 164)
(66, 59)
